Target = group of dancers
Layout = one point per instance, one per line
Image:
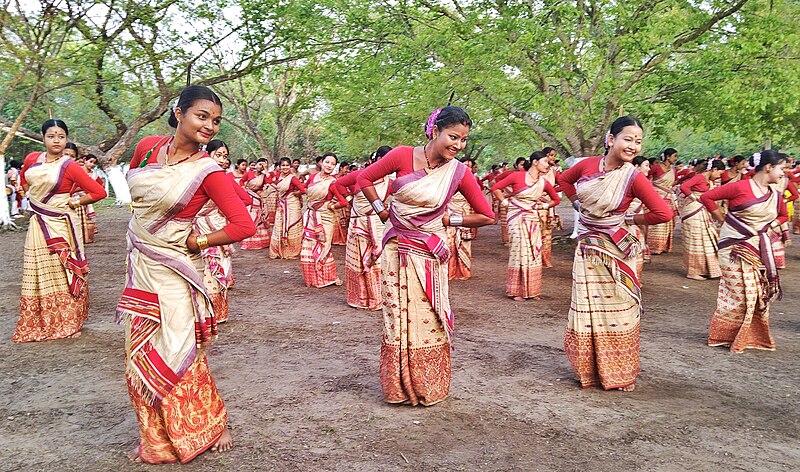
(407, 219)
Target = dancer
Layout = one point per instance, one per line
(362, 265)
(168, 316)
(502, 213)
(699, 235)
(86, 213)
(749, 276)
(418, 322)
(459, 238)
(524, 274)
(642, 164)
(602, 335)
(663, 176)
(239, 171)
(287, 230)
(316, 258)
(55, 294)
(738, 167)
(547, 214)
(782, 238)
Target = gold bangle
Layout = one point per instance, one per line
(202, 241)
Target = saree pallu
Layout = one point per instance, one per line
(418, 321)
(87, 217)
(503, 216)
(54, 302)
(341, 225)
(217, 261)
(660, 237)
(602, 335)
(749, 277)
(287, 231)
(782, 238)
(700, 239)
(640, 232)
(168, 318)
(524, 272)
(459, 240)
(548, 220)
(258, 213)
(316, 258)
(362, 265)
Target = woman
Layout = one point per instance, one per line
(418, 323)
(524, 274)
(738, 167)
(255, 181)
(316, 258)
(549, 220)
(87, 214)
(602, 335)
(287, 230)
(342, 221)
(270, 196)
(459, 238)
(217, 260)
(663, 175)
(55, 295)
(362, 265)
(642, 164)
(699, 235)
(168, 315)
(749, 275)
(781, 238)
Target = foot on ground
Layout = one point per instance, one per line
(224, 443)
(75, 335)
(134, 455)
(628, 388)
(695, 277)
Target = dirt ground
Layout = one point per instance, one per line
(298, 370)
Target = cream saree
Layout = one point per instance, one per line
(418, 322)
(749, 277)
(699, 238)
(55, 297)
(258, 213)
(218, 263)
(168, 318)
(524, 273)
(459, 240)
(659, 237)
(287, 230)
(602, 335)
(362, 265)
(316, 259)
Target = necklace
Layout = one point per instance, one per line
(427, 161)
(166, 158)
(765, 190)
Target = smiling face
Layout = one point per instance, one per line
(672, 159)
(285, 168)
(328, 164)
(627, 144)
(90, 164)
(55, 139)
(220, 156)
(448, 142)
(200, 122)
(241, 167)
(551, 157)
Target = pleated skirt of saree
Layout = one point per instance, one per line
(547, 238)
(261, 239)
(47, 309)
(700, 238)
(341, 224)
(459, 240)
(218, 294)
(779, 246)
(502, 215)
(287, 246)
(270, 202)
(316, 258)
(524, 272)
(602, 335)
(659, 237)
(741, 319)
(88, 220)
(363, 285)
(415, 352)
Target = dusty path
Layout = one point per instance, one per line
(298, 370)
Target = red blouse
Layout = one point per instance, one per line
(74, 177)
(793, 195)
(657, 170)
(737, 193)
(242, 193)
(695, 183)
(401, 160)
(641, 188)
(294, 184)
(517, 182)
(215, 186)
(333, 192)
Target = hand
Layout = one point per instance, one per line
(446, 220)
(384, 215)
(191, 243)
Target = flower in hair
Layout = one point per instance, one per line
(431, 123)
(710, 164)
(756, 159)
(175, 105)
(605, 141)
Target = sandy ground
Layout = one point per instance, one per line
(298, 370)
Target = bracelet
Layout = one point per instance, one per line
(74, 202)
(202, 242)
(505, 203)
(378, 205)
(629, 219)
(576, 205)
(456, 219)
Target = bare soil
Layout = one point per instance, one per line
(298, 370)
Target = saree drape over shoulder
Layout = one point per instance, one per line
(548, 221)
(781, 238)
(55, 297)
(659, 237)
(362, 267)
(217, 260)
(459, 240)
(316, 259)
(258, 212)
(602, 335)
(287, 230)
(418, 321)
(699, 238)
(524, 273)
(168, 317)
(749, 276)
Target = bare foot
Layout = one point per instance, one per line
(695, 277)
(628, 388)
(134, 455)
(75, 335)
(225, 442)
(338, 282)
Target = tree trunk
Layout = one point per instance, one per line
(119, 184)
(5, 211)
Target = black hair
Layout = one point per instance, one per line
(262, 159)
(89, 155)
(667, 152)
(382, 151)
(495, 166)
(239, 161)
(293, 160)
(15, 164)
(344, 164)
(57, 123)
(284, 159)
(519, 161)
(768, 156)
(547, 150)
(319, 159)
(188, 97)
(736, 159)
(322, 157)
(448, 117)
(651, 160)
(717, 164)
(215, 144)
(504, 163)
(535, 156)
(623, 121)
(74, 147)
(638, 160)
(469, 159)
